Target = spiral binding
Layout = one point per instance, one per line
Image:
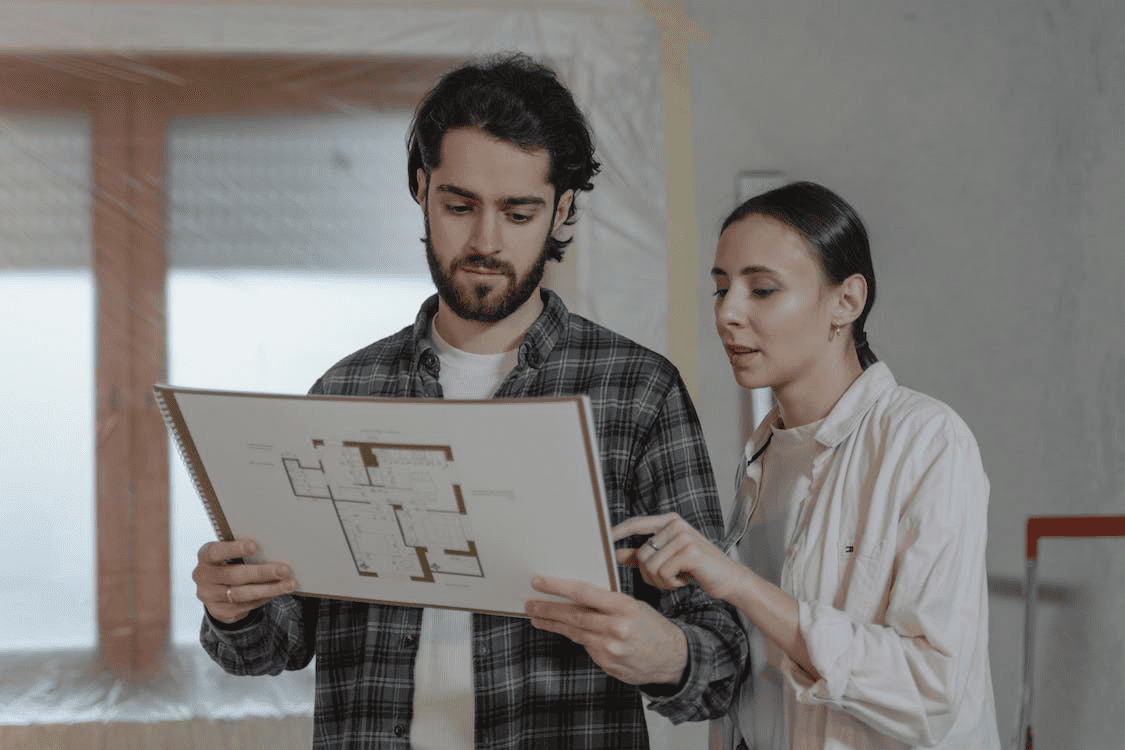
(170, 422)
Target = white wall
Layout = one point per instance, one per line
(983, 143)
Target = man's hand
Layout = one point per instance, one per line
(627, 638)
(232, 591)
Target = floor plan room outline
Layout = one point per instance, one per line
(400, 506)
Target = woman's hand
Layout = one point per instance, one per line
(677, 554)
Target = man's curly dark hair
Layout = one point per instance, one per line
(517, 99)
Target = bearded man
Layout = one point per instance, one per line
(498, 151)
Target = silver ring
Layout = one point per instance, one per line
(229, 600)
(652, 544)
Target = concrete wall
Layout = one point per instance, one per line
(983, 142)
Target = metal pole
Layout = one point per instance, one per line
(1038, 527)
(1022, 740)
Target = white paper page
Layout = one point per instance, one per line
(424, 502)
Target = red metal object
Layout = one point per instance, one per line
(1037, 528)
(1070, 526)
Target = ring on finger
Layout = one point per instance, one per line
(229, 600)
(652, 543)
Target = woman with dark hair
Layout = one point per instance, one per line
(856, 549)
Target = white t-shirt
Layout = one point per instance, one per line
(443, 668)
(786, 473)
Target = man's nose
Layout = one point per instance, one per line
(486, 234)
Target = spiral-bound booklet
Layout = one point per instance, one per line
(421, 502)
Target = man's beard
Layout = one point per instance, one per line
(473, 303)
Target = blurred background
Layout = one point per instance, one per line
(213, 194)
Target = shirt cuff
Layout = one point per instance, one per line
(683, 702)
(245, 623)
(667, 689)
(828, 634)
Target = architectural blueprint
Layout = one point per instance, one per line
(405, 501)
(400, 506)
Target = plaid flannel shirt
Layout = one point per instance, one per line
(532, 688)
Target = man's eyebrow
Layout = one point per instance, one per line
(745, 271)
(458, 191)
(523, 200)
(508, 201)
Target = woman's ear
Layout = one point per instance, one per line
(851, 297)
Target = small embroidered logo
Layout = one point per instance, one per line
(849, 548)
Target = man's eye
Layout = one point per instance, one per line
(457, 208)
(720, 293)
(519, 218)
(763, 292)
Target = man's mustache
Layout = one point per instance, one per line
(484, 263)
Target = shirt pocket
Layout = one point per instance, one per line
(864, 580)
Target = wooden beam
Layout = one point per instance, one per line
(132, 461)
(32, 82)
(198, 85)
(676, 30)
(247, 85)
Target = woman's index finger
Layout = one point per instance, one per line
(641, 525)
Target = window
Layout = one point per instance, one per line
(293, 241)
(47, 381)
(259, 203)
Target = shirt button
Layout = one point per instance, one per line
(400, 730)
(408, 640)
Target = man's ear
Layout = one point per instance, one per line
(562, 210)
(851, 296)
(420, 198)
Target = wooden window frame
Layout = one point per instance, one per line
(130, 100)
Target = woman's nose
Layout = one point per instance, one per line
(729, 311)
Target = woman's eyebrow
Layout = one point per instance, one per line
(745, 271)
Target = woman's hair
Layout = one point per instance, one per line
(516, 99)
(833, 229)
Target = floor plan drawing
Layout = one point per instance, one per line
(401, 507)
(447, 503)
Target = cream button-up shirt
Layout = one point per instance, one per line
(887, 564)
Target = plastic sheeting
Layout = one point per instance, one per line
(69, 686)
(608, 52)
(615, 271)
